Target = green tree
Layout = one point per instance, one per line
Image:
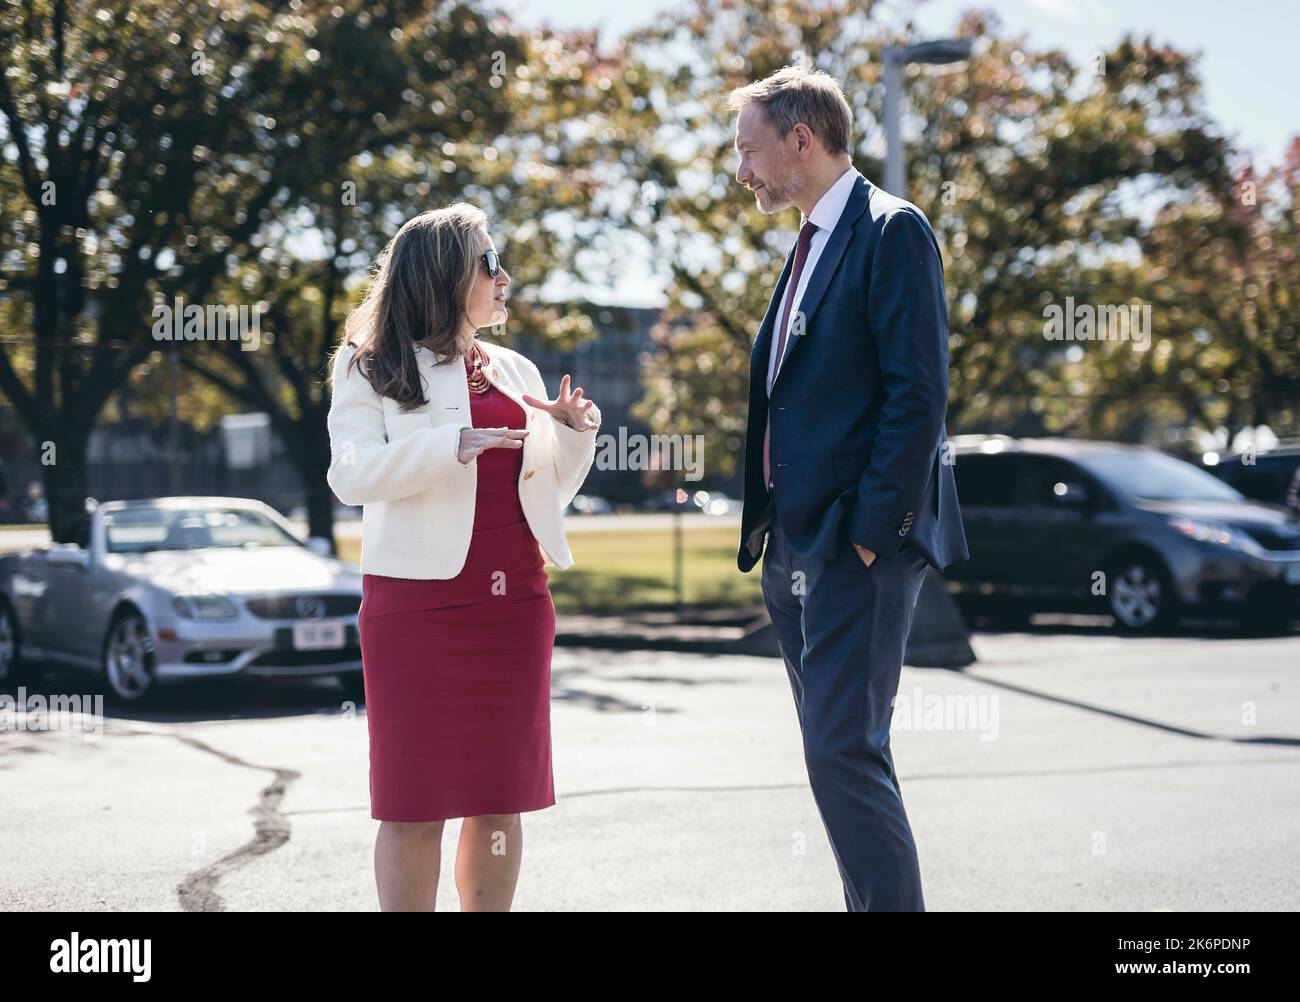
(1221, 272)
(1043, 179)
(151, 149)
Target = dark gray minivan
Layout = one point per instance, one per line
(1063, 525)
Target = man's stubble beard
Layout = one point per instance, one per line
(782, 191)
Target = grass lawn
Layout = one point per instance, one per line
(633, 568)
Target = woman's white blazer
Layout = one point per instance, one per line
(417, 496)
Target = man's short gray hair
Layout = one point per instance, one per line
(797, 94)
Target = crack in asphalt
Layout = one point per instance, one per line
(198, 891)
(902, 778)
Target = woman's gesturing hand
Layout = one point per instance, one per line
(475, 440)
(569, 408)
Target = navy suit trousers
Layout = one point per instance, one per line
(842, 628)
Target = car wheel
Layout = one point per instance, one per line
(128, 655)
(354, 686)
(1141, 596)
(9, 650)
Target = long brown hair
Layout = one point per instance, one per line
(419, 294)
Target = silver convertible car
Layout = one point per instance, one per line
(176, 588)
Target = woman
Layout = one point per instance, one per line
(464, 468)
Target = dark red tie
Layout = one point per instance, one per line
(800, 256)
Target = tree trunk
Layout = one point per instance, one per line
(67, 487)
(310, 453)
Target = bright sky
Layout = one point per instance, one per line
(1249, 47)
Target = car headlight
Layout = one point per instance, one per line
(1214, 532)
(204, 606)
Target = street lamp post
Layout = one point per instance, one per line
(946, 50)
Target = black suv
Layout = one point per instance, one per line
(1060, 525)
(1271, 475)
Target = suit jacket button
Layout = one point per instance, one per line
(529, 474)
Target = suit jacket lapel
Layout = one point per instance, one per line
(499, 378)
(450, 379)
(446, 388)
(826, 265)
(503, 380)
(447, 382)
(762, 342)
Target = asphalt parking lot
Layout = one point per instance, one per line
(1069, 769)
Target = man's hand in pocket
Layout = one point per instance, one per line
(867, 555)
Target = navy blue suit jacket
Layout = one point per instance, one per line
(859, 402)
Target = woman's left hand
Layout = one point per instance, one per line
(567, 407)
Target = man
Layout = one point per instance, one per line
(845, 466)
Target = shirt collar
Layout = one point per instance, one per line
(826, 213)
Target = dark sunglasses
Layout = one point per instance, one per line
(492, 261)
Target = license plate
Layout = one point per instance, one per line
(1293, 573)
(317, 636)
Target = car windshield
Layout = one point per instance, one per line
(141, 530)
(1153, 476)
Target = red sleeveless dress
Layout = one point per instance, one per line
(458, 670)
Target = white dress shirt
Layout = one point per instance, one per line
(825, 215)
